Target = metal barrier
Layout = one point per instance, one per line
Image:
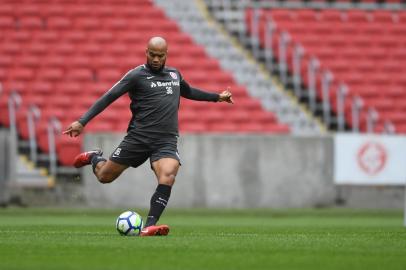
(255, 32)
(54, 127)
(389, 128)
(269, 33)
(357, 105)
(33, 116)
(14, 102)
(298, 53)
(372, 117)
(325, 92)
(342, 92)
(313, 66)
(284, 40)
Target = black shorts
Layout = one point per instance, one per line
(134, 152)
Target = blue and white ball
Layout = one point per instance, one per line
(129, 223)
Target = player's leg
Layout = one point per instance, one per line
(106, 171)
(165, 170)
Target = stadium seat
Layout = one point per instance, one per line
(362, 49)
(67, 148)
(62, 56)
(32, 23)
(59, 23)
(7, 22)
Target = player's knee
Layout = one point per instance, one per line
(105, 178)
(167, 179)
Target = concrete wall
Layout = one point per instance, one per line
(239, 171)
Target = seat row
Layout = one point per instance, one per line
(63, 63)
(370, 58)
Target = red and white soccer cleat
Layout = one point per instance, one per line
(84, 158)
(155, 230)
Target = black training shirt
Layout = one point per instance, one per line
(154, 100)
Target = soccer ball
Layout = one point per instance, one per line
(129, 223)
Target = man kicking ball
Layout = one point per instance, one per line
(155, 91)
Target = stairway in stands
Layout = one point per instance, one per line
(193, 18)
(360, 43)
(61, 56)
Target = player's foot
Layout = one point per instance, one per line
(155, 230)
(84, 158)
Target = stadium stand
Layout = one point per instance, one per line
(62, 55)
(365, 49)
(194, 19)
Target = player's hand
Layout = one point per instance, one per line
(226, 96)
(74, 129)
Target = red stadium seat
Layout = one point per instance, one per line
(21, 36)
(10, 48)
(6, 61)
(51, 74)
(361, 48)
(22, 74)
(59, 23)
(28, 10)
(6, 9)
(32, 23)
(67, 148)
(7, 22)
(48, 37)
(332, 15)
(62, 56)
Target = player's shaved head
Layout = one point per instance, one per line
(157, 44)
(156, 51)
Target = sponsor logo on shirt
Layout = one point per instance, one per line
(164, 84)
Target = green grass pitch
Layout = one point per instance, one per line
(205, 239)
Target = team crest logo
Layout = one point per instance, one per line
(173, 75)
(372, 157)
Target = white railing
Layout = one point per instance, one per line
(298, 53)
(313, 66)
(255, 32)
(342, 92)
(269, 33)
(33, 116)
(284, 40)
(389, 128)
(54, 127)
(372, 118)
(357, 105)
(14, 102)
(327, 78)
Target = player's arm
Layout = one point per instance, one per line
(196, 94)
(102, 103)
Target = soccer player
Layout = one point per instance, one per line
(155, 91)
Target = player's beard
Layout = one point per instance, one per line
(154, 69)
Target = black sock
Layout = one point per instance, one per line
(96, 159)
(159, 200)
